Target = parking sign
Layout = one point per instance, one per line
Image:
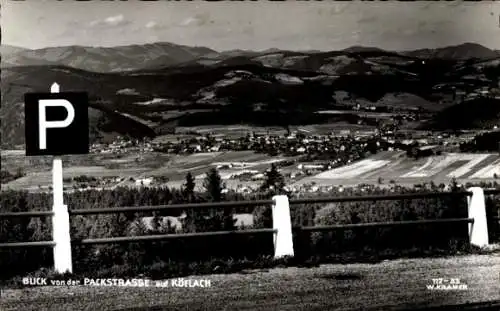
(56, 123)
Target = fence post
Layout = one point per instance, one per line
(282, 223)
(478, 231)
(60, 220)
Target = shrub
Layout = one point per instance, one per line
(7, 176)
(227, 253)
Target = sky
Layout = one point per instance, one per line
(256, 25)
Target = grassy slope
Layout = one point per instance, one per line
(470, 114)
(381, 286)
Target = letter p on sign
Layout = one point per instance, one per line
(43, 124)
(56, 123)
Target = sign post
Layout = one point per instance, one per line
(60, 220)
(50, 131)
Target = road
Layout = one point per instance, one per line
(389, 285)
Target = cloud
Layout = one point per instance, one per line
(111, 21)
(197, 20)
(453, 3)
(189, 21)
(151, 25)
(427, 6)
(339, 8)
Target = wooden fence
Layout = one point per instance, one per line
(282, 225)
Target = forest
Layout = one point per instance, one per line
(199, 255)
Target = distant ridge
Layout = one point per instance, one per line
(6, 50)
(164, 54)
(104, 59)
(457, 52)
(359, 48)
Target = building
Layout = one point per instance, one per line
(144, 181)
(426, 151)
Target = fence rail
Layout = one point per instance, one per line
(159, 237)
(282, 227)
(255, 203)
(390, 197)
(27, 244)
(176, 207)
(30, 214)
(387, 224)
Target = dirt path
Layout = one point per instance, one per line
(384, 286)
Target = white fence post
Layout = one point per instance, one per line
(282, 223)
(478, 231)
(60, 220)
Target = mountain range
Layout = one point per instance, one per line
(147, 90)
(131, 57)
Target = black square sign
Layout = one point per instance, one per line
(56, 123)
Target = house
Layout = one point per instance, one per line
(144, 181)
(472, 95)
(259, 176)
(313, 166)
(460, 94)
(426, 151)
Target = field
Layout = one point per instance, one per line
(389, 285)
(392, 167)
(380, 115)
(242, 130)
(397, 167)
(172, 167)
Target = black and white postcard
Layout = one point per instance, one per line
(250, 155)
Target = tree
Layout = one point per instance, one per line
(189, 186)
(217, 221)
(213, 185)
(454, 185)
(372, 146)
(20, 172)
(274, 181)
(413, 151)
(194, 220)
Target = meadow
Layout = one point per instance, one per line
(395, 167)
(170, 167)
